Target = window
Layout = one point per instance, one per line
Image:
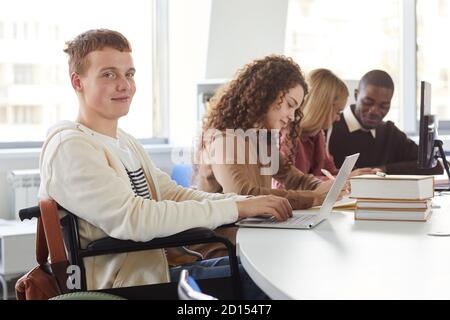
(349, 37)
(24, 74)
(26, 114)
(2, 114)
(35, 88)
(433, 65)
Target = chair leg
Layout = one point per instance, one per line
(234, 268)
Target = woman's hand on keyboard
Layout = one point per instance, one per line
(269, 205)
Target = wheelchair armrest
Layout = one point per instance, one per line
(29, 213)
(191, 236)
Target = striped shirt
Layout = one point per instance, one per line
(139, 183)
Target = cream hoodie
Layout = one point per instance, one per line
(85, 177)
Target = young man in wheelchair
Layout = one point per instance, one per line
(105, 177)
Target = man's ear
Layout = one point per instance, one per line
(76, 81)
(356, 94)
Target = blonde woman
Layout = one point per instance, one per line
(323, 106)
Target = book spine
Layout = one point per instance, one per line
(392, 216)
(401, 220)
(387, 209)
(392, 189)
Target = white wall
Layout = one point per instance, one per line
(241, 31)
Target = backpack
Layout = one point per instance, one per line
(46, 280)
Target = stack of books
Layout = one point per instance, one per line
(392, 197)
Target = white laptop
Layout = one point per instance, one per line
(307, 219)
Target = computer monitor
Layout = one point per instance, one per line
(427, 157)
(430, 147)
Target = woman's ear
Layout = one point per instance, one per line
(281, 98)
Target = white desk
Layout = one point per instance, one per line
(17, 249)
(346, 259)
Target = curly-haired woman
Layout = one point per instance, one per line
(238, 150)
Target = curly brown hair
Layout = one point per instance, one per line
(245, 101)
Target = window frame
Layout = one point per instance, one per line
(408, 67)
(160, 89)
(160, 67)
(411, 123)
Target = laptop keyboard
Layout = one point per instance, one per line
(297, 220)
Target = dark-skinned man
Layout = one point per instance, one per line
(362, 129)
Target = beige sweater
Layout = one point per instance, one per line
(86, 178)
(220, 170)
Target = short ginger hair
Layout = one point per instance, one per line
(92, 40)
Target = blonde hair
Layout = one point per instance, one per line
(325, 89)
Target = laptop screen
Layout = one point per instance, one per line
(337, 186)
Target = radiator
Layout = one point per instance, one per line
(23, 189)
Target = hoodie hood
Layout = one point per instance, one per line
(54, 130)
(61, 126)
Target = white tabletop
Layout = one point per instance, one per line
(17, 227)
(346, 259)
